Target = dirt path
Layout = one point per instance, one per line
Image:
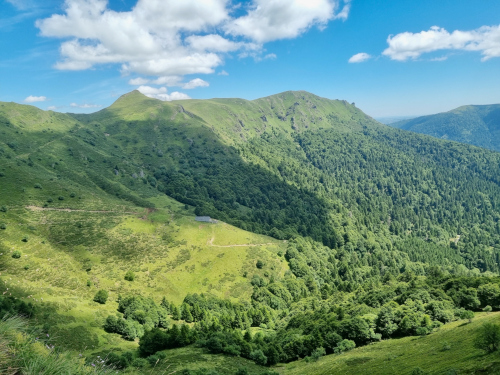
(211, 243)
(36, 208)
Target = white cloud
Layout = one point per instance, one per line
(223, 73)
(360, 57)
(161, 93)
(408, 45)
(138, 81)
(269, 20)
(85, 105)
(166, 38)
(442, 58)
(52, 108)
(34, 99)
(197, 82)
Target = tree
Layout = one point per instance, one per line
(467, 314)
(186, 313)
(344, 346)
(101, 296)
(258, 357)
(259, 264)
(488, 337)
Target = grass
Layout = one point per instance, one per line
(96, 236)
(449, 348)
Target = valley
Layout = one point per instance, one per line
(335, 235)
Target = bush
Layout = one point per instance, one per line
(242, 371)
(318, 353)
(3, 226)
(61, 198)
(3, 209)
(16, 254)
(417, 371)
(25, 239)
(258, 357)
(38, 186)
(26, 267)
(129, 276)
(50, 200)
(259, 264)
(89, 283)
(139, 363)
(488, 337)
(72, 195)
(344, 346)
(487, 308)
(101, 296)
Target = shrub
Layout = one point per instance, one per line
(72, 195)
(61, 198)
(318, 353)
(139, 363)
(25, 239)
(89, 283)
(26, 267)
(101, 296)
(258, 357)
(467, 314)
(487, 308)
(259, 264)
(446, 346)
(242, 371)
(3, 209)
(38, 186)
(344, 346)
(417, 371)
(50, 200)
(422, 331)
(16, 254)
(3, 226)
(129, 276)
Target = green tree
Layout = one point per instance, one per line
(488, 337)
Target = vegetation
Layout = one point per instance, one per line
(474, 124)
(375, 233)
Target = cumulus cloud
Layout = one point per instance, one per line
(138, 81)
(161, 93)
(405, 46)
(359, 57)
(223, 73)
(172, 38)
(85, 105)
(34, 99)
(197, 82)
(52, 108)
(269, 20)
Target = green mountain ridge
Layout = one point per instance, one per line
(478, 125)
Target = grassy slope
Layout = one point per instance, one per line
(401, 356)
(170, 253)
(477, 125)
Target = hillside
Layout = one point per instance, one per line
(328, 221)
(477, 125)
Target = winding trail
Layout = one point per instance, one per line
(36, 208)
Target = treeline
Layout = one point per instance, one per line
(329, 302)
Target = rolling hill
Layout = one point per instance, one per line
(477, 125)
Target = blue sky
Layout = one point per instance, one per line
(392, 57)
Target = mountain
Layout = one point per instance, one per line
(477, 125)
(332, 229)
